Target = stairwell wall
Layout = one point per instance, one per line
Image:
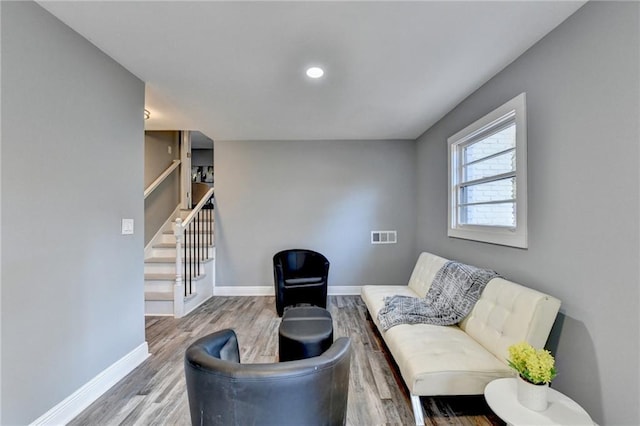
(71, 165)
(162, 202)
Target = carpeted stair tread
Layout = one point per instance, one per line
(169, 277)
(170, 260)
(158, 295)
(170, 245)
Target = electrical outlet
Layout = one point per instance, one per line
(169, 149)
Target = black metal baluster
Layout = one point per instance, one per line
(211, 224)
(206, 231)
(198, 242)
(184, 261)
(193, 269)
(188, 259)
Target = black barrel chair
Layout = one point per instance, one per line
(300, 277)
(222, 391)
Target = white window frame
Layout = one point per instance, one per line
(508, 236)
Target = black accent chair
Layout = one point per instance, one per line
(300, 277)
(222, 391)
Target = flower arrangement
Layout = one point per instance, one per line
(533, 365)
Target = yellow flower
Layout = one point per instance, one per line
(535, 366)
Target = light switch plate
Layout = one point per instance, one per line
(127, 226)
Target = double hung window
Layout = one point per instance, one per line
(488, 178)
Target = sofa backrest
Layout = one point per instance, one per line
(425, 270)
(509, 313)
(506, 313)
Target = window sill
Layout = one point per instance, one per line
(493, 235)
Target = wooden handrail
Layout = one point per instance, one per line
(156, 183)
(187, 220)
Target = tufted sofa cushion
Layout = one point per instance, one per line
(442, 360)
(508, 313)
(423, 273)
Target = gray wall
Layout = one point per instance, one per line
(156, 153)
(322, 195)
(72, 155)
(202, 157)
(162, 202)
(582, 108)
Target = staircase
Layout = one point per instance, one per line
(172, 291)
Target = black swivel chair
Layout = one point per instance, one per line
(221, 391)
(300, 277)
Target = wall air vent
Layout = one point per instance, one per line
(384, 237)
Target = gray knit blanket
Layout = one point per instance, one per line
(455, 290)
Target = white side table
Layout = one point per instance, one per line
(501, 397)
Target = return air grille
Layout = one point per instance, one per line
(384, 237)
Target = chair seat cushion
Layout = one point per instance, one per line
(302, 281)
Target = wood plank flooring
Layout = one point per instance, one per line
(155, 392)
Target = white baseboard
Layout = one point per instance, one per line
(270, 291)
(73, 405)
(345, 290)
(244, 291)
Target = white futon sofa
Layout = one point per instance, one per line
(461, 359)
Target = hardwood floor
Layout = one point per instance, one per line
(155, 393)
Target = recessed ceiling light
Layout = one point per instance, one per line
(315, 72)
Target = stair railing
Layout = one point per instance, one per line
(156, 183)
(194, 239)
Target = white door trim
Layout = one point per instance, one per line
(185, 180)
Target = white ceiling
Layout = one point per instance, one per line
(200, 141)
(235, 70)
